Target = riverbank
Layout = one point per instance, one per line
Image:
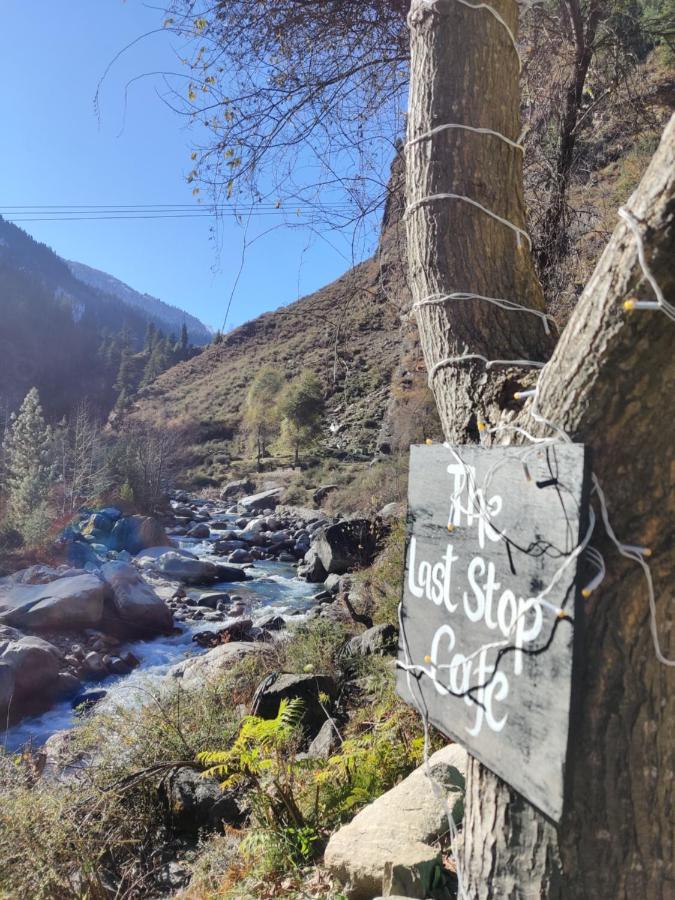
(283, 680)
(192, 598)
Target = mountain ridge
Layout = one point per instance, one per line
(171, 316)
(60, 334)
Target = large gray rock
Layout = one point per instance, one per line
(195, 802)
(236, 489)
(322, 492)
(213, 664)
(135, 533)
(150, 554)
(326, 743)
(264, 500)
(378, 640)
(392, 511)
(397, 831)
(38, 574)
(307, 688)
(178, 567)
(73, 602)
(312, 569)
(29, 671)
(346, 545)
(134, 603)
(200, 531)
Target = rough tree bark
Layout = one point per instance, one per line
(608, 384)
(464, 71)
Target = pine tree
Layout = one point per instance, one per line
(158, 361)
(150, 337)
(184, 342)
(125, 375)
(29, 465)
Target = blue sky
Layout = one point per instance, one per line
(52, 54)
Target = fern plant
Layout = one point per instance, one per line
(365, 767)
(264, 756)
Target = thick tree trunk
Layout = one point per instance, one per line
(464, 71)
(607, 384)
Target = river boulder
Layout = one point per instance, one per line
(307, 688)
(395, 838)
(135, 533)
(134, 605)
(264, 500)
(322, 492)
(235, 489)
(195, 802)
(312, 569)
(97, 527)
(29, 674)
(376, 641)
(177, 567)
(210, 666)
(73, 602)
(347, 545)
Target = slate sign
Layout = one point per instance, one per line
(490, 604)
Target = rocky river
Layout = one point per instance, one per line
(140, 598)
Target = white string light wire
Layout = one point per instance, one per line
(660, 303)
(431, 198)
(511, 305)
(489, 363)
(633, 552)
(427, 135)
(636, 554)
(597, 560)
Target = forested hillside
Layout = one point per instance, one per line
(165, 316)
(68, 338)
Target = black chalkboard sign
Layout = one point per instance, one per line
(490, 604)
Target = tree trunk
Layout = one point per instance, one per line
(606, 385)
(464, 71)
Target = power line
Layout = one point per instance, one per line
(167, 207)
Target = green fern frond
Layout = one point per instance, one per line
(214, 758)
(291, 712)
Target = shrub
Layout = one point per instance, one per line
(314, 646)
(75, 837)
